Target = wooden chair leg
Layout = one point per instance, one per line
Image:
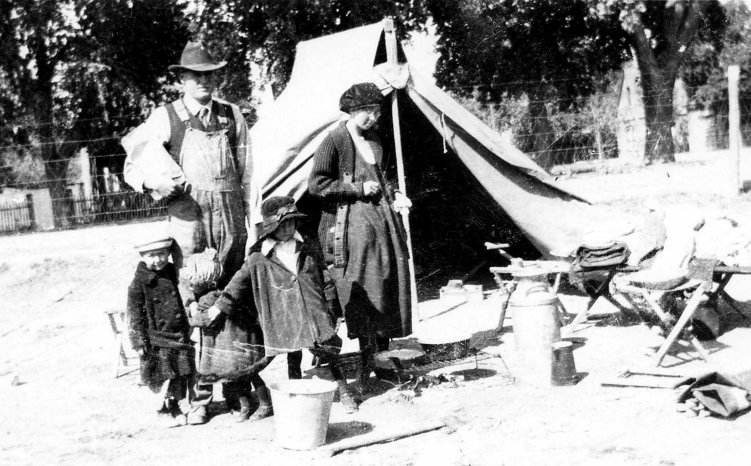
(653, 301)
(602, 290)
(117, 322)
(703, 353)
(691, 306)
(581, 316)
(119, 354)
(731, 302)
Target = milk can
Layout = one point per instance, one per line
(536, 325)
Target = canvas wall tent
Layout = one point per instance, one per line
(458, 169)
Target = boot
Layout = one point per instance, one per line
(244, 413)
(264, 407)
(362, 375)
(233, 404)
(362, 379)
(294, 363)
(198, 415)
(346, 398)
(176, 412)
(166, 415)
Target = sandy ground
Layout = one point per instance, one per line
(62, 405)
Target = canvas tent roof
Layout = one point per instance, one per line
(285, 137)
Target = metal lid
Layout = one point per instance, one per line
(536, 295)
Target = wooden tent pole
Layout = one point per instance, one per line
(391, 56)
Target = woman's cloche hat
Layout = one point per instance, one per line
(359, 96)
(275, 210)
(196, 57)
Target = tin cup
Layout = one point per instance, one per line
(563, 370)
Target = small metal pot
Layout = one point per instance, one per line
(447, 351)
(399, 359)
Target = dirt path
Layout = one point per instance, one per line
(61, 404)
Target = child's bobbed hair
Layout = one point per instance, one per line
(202, 269)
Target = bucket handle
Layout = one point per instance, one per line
(535, 287)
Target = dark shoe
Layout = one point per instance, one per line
(243, 413)
(198, 415)
(294, 362)
(262, 412)
(176, 412)
(362, 380)
(233, 405)
(166, 418)
(388, 375)
(263, 395)
(346, 398)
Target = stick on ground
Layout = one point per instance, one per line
(379, 437)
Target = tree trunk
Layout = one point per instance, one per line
(542, 132)
(55, 163)
(659, 54)
(658, 113)
(56, 171)
(598, 142)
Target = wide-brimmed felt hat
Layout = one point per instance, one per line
(196, 57)
(275, 210)
(153, 244)
(359, 96)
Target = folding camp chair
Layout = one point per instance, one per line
(699, 291)
(601, 290)
(122, 351)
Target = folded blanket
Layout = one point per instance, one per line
(601, 256)
(593, 262)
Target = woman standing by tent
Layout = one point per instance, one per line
(360, 233)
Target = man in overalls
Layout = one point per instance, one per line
(193, 152)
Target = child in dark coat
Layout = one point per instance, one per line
(230, 349)
(159, 330)
(284, 280)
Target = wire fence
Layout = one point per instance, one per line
(612, 123)
(18, 216)
(49, 213)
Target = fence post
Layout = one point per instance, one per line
(734, 127)
(30, 208)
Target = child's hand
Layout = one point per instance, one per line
(212, 313)
(193, 309)
(141, 352)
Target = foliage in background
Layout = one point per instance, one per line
(78, 72)
(543, 50)
(589, 132)
(265, 33)
(706, 67)
(558, 51)
(660, 33)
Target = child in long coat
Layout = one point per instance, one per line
(231, 348)
(159, 330)
(284, 279)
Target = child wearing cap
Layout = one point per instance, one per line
(230, 349)
(285, 282)
(159, 329)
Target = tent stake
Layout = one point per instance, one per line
(391, 52)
